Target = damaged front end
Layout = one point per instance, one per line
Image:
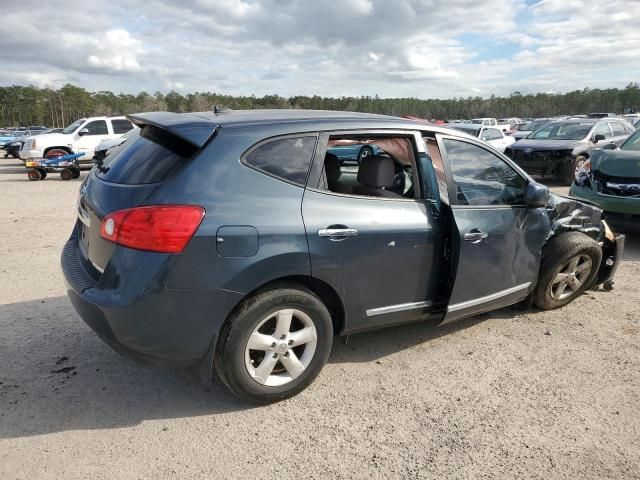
(567, 214)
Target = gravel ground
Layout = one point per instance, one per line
(506, 395)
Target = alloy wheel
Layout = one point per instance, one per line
(281, 347)
(571, 277)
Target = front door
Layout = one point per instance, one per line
(378, 253)
(96, 131)
(499, 238)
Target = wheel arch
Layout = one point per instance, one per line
(48, 149)
(325, 292)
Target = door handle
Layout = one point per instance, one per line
(337, 233)
(475, 235)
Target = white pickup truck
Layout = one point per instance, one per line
(82, 136)
(491, 122)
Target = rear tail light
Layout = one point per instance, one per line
(158, 228)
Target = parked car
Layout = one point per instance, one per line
(237, 242)
(559, 146)
(601, 115)
(6, 137)
(82, 136)
(611, 178)
(493, 136)
(491, 122)
(12, 149)
(528, 128)
(513, 122)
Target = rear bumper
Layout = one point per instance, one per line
(158, 326)
(608, 203)
(27, 154)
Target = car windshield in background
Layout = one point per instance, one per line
(562, 131)
(532, 126)
(632, 143)
(72, 128)
(466, 128)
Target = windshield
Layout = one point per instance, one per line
(632, 143)
(562, 131)
(72, 128)
(533, 126)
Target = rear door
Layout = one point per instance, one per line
(379, 254)
(498, 239)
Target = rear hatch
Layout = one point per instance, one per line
(165, 143)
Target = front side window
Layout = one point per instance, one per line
(483, 178)
(97, 127)
(285, 158)
(601, 129)
(618, 129)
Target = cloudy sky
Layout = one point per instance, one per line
(393, 48)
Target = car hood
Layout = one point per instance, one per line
(543, 145)
(616, 163)
(54, 138)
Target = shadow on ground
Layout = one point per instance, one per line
(57, 375)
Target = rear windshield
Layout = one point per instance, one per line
(149, 155)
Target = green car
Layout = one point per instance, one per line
(611, 178)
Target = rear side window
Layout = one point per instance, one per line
(150, 155)
(285, 158)
(121, 126)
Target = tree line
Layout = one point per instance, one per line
(29, 105)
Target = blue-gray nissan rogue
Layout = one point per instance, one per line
(238, 243)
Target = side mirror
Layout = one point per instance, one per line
(536, 195)
(598, 137)
(610, 146)
(84, 131)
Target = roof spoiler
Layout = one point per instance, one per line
(193, 129)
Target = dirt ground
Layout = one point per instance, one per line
(506, 395)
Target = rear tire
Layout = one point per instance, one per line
(569, 266)
(76, 173)
(273, 320)
(365, 152)
(66, 174)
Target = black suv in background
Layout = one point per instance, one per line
(238, 242)
(557, 148)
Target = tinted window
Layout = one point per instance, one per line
(149, 155)
(97, 127)
(286, 158)
(121, 126)
(483, 178)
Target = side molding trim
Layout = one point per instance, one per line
(489, 298)
(373, 312)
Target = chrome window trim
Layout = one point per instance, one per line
(456, 307)
(373, 312)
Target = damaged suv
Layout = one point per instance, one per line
(611, 178)
(558, 147)
(238, 243)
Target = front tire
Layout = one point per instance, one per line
(34, 175)
(274, 345)
(569, 265)
(56, 153)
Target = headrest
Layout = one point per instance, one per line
(377, 171)
(331, 166)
